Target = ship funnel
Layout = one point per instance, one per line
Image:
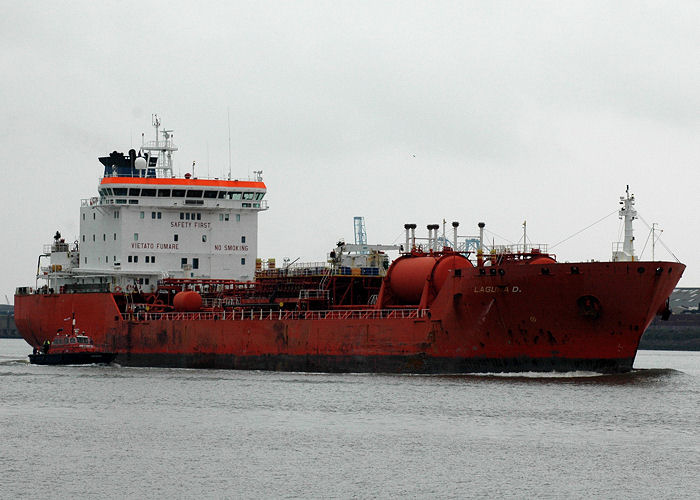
(132, 157)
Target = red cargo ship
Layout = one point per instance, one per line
(163, 276)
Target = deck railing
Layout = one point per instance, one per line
(266, 315)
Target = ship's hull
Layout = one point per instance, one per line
(565, 317)
(415, 364)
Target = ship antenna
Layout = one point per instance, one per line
(228, 115)
(156, 124)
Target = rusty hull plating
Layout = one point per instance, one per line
(434, 312)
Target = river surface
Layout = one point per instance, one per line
(119, 432)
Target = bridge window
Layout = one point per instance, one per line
(148, 192)
(194, 193)
(248, 196)
(259, 196)
(236, 195)
(134, 191)
(178, 193)
(222, 194)
(210, 194)
(119, 191)
(163, 193)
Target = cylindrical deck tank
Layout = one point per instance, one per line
(187, 301)
(407, 277)
(444, 265)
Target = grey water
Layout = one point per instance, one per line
(111, 431)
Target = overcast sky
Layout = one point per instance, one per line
(397, 111)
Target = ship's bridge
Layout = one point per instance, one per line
(158, 191)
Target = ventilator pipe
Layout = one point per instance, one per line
(433, 236)
(407, 248)
(455, 225)
(413, 235)
(480, 251)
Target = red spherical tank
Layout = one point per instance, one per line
(188, 301)
(445, 266)
(543, 260)
(407, 277)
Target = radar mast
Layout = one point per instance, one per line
(162, 149)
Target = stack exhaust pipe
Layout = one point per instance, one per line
(480, 251)
(410, 239)
(432, 236)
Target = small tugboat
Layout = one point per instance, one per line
(74, 348)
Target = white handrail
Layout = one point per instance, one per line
(279, 315)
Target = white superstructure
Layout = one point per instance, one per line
(147, 224)
(628, 214)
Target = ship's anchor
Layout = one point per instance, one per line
(589, 306)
